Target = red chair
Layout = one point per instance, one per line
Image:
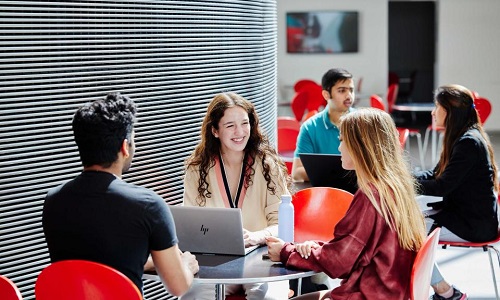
(483, 107)
(300, 84)
(288, 122)
(84, 280)
(9, 290)
(392, 96)
(403, 136)
(287, 141)
(299, 104)
(486, 246)
(317, 211)
(377, 102)
(421, 272)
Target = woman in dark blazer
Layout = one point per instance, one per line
(465, 177)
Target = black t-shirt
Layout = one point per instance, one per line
(99, 217)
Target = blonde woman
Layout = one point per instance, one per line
(374, 256)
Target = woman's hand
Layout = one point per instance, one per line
(274, 246)
(304, 249)
(254, 237)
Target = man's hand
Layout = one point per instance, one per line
(190, 262)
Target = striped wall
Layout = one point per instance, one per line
(171, 57)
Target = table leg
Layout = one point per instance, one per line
(299, 286)
(220, 291)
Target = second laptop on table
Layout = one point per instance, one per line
(326, 170)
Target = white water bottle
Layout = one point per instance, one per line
(285, 219)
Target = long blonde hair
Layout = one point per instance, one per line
(371, 139)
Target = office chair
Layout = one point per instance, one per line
(84, 280)
(9, 290)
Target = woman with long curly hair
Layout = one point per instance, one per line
(234, 166)
(465, 177)
(374, 257)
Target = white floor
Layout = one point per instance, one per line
(469, 270)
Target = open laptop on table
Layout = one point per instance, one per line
(326, 170)
(208, 230)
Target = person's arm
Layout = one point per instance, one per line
(464, 158)
(299, 173)
(175, 269)
(304, 145)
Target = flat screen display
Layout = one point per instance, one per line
(322, 32)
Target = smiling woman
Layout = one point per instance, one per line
(235, 166)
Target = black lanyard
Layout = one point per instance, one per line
(233, 202)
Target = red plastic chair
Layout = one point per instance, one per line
(403, 136)
(288, 122)
(287, 141)
(9, 290)
(421, 272)
(483, 107)
(84, 280)
(317, 211)
(299, 104)
(377, 102)
(486, 246)
(300, 84)
(392, 95)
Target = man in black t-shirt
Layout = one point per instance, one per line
(99, 217)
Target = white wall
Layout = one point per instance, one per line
(371, 62)
(469, 49)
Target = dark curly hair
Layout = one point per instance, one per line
(101, 126)
(208, 149)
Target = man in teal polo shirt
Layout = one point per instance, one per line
(320, 133)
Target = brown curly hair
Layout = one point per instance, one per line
(208, 149)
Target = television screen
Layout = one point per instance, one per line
(322, 32)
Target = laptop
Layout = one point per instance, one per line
(208, 230)
(326, 170)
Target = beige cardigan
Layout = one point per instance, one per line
(259, 207)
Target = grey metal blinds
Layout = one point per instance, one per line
(171, 57)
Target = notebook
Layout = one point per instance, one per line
(207, 230)
(326, 170)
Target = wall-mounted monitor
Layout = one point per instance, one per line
(322, 32)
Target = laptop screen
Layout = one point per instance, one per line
(326, 170)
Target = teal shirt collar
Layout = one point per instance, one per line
(326, 119)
